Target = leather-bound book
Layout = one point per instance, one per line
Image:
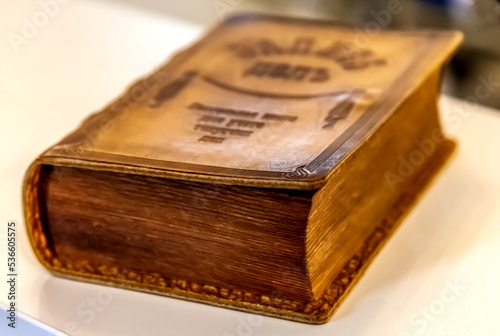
(260, 169)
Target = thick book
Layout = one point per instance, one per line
(260, 169)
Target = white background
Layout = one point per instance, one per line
(438, 275)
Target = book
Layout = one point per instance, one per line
(260, 169)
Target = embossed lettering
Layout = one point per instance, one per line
(279, 117)
(223, 110)
(346, 54)
(245, 123)
(287, 71)
(213, 119)
(208, 138)
(220, 130)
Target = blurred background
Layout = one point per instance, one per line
(477, 61)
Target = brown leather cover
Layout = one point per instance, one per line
(260, 101)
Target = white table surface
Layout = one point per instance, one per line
(438, 275)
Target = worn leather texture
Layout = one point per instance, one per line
(261, 101)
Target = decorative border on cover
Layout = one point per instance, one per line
(316, 312)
